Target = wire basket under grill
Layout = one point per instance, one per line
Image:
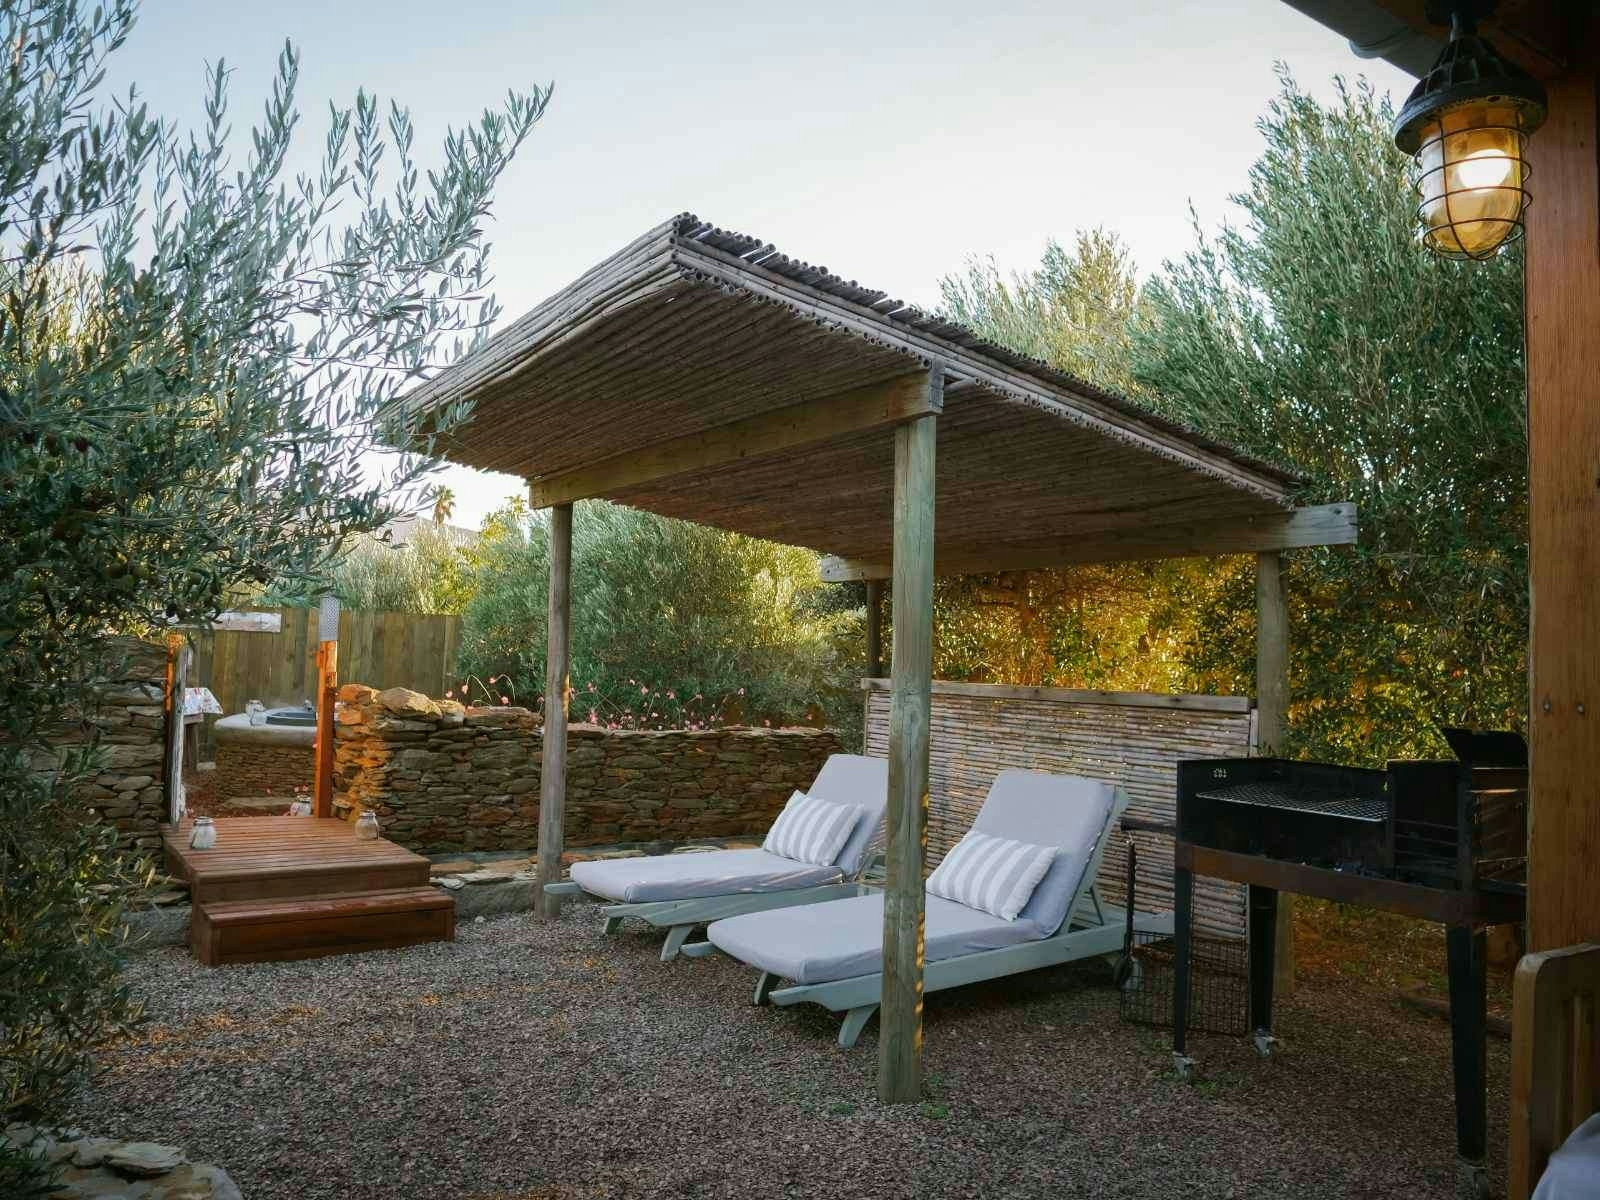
(1219, 984)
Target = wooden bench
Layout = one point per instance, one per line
(1555, 1057)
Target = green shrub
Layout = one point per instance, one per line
(183, 422)
(672, 624)
(1315, 333)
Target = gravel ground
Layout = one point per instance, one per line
(528, 1061)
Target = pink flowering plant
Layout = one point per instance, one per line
(497, 689)
(636, 704)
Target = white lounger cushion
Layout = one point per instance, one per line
(1067, 811)
(1573, 1172)
(855, 779)
(812, 829)
(690, 876)
(993, 874)
(844, 779)
(843, 939)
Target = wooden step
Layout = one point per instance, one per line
(286, 877)
(270, 858)
(258, 930)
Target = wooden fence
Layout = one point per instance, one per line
(1132, 739)
(382, 649)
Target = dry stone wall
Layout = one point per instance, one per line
(127, 723)
(247, 768)
(442, 777)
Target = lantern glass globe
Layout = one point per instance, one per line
(1472, 179)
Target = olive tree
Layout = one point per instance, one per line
(1319, 333)
(198, 354)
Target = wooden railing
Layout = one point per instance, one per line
(1555, 1057)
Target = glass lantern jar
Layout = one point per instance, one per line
(367, 826)
(203, 834)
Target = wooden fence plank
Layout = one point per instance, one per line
(409, 650)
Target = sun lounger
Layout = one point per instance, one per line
(677, 892)
(833, 953)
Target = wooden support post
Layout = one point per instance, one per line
(875, 629)
(557, 677)
(1272, 719)
(1563, 312)
(910, 705)
(327, 696)
(178, 655)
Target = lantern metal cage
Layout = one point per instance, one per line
(1466, 126)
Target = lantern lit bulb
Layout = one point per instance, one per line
(1487, 168)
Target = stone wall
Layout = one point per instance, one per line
(442, 777)
(262, 760)
(128, 720)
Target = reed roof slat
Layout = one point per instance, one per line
(690, 327)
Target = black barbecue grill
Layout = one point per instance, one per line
(1445, 841)
(1458, 824)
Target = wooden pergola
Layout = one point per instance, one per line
(702, 375)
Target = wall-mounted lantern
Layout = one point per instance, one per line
(1467, 125)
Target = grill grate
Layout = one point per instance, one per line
(1302, 800)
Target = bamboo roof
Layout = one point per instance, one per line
(692, 328)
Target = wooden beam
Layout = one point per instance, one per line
(1319, 525)
(179, 653)
(1563, 312)
(859, 409)
(247, 622)
(1272, 654)
(910, 719)
(327, 691)
(1004, 691)
(874, 628)
(1534, 35)
(1272, 719)
(1446, 906)
(557, 677)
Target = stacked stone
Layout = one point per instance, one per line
(249, 769)
(128, 720)
(112, 1169)
(442, 777)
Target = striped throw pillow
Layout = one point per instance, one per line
(994, 875)
(811, 829)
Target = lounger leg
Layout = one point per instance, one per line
(764, 987)
(676, 936)
(613, 924)
(854, 1022)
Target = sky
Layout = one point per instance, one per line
(887, 141)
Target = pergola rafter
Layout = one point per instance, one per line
(700, 374)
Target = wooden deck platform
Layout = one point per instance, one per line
(298, 887)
